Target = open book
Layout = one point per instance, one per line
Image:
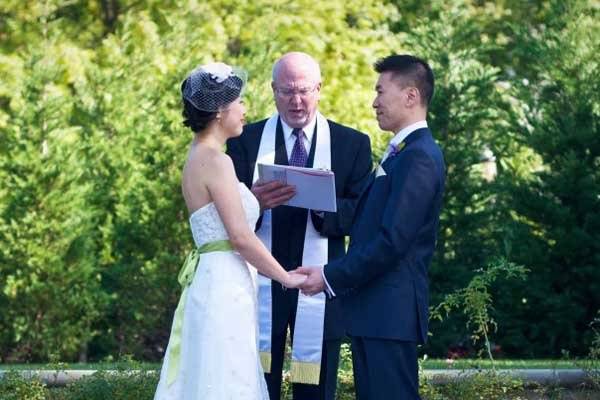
(315, 188)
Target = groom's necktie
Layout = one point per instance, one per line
(299, 155)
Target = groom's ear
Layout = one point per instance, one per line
(413, 97)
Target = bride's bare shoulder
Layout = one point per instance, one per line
(206, 160)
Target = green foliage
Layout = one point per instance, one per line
(132, 381)
(14, 387)
(426, 388)
(475, 300)
(490, 385)
(345, 386)
(556, 224)
(51, 286)
(122, 385)
(92, 225)
(592, 364)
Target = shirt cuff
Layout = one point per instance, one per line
(328, 289)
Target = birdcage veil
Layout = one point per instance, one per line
(211, 87)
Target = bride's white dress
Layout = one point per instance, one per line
(219, 351)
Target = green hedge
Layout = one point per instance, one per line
(92, 225)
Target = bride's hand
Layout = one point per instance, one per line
(294, 280)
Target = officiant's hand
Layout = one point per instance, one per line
(294, 280)
(272, 194)
(314, 282)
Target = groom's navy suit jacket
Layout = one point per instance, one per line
(383, 279)
(351, 162)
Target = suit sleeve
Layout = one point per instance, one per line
(340, 222)
(414, 185)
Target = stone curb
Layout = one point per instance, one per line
(558, 377)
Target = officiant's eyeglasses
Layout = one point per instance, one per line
(300, 91)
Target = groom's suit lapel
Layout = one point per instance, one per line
(410, 139)
(388, 165)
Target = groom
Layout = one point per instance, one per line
(383, 278)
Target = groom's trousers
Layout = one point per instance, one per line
(385, 369)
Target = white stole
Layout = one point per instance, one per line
(307, 346)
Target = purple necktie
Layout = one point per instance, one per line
(299, 156)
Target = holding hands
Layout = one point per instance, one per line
(294, 280)
(314, 282)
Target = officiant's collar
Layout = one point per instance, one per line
(404, 132)
(308, 130)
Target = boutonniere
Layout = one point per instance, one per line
(396, 148)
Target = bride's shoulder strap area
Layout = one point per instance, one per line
(224, 163)
(221, 172)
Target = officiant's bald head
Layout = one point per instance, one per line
(297, 61)
(296, 88)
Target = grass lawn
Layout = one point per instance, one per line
(501, 364)
(81, 366)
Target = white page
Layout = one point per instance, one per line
(315, 188)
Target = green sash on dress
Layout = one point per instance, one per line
(186, 275)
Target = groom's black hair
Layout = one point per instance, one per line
(415, 69)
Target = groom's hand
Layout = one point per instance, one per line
(314, 282)
(272, 194)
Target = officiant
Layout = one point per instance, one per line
(298, 135)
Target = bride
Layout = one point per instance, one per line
(212, 351)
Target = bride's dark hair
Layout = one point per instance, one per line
(195, 119)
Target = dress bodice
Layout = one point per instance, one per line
(206, 223)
